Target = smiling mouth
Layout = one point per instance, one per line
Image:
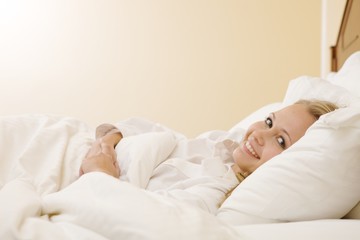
(251, 150)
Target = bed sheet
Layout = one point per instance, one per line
(329, 229)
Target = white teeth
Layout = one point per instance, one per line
(249, 147)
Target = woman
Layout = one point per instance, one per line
(202, 171)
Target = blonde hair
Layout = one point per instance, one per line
(316, 107)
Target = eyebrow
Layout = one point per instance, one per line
(282, 129)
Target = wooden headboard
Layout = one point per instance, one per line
(348, 40)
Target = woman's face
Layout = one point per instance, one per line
(266, 139)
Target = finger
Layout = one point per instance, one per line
(95, 149)
(108, 150)
(104, 129)
(117, 168)
(112, 138)
(100, 163)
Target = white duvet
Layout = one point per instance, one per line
(41, 196)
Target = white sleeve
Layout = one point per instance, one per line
(140, 154)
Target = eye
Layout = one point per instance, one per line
(269, 122)
(281, 142)
(280, 139)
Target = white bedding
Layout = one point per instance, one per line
(40, 199)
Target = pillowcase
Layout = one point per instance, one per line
(349, 75)
(306, 87)
(316, 178)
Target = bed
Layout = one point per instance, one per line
(311, 191)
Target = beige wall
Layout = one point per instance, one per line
(194, 65)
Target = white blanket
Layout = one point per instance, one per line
(41, 197)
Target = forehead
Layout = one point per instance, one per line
(295, 119)
(292, 110)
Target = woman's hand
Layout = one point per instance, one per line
(101, 158)
(109, 134)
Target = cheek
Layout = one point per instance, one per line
(237, 154)
(243, 161)
(252, 128)
(240, 158)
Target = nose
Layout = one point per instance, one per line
(260, 136)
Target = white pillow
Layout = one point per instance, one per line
(318, 177)
(349, 74)
(306, 87)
